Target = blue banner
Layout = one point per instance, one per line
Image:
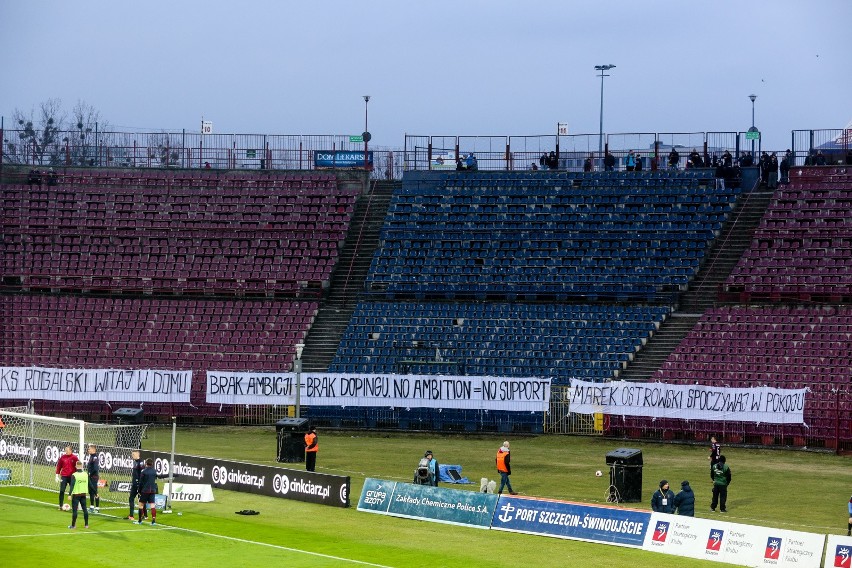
(571, 520)
(427, 503)
(341, 159)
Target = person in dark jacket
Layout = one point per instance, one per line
(148, 490)
(684, 501)
(93, 468)
(663, 499)
(721, 476)
(135, 474)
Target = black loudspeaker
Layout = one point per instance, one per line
(625, 475)
(129, 415)
(291, 439)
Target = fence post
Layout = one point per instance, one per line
(508, 155)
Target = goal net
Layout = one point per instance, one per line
(30, 445)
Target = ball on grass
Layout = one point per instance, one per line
(66, 507)
(598, 473)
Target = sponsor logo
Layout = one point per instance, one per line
(51, 454)
(13, 449)
(163, 467)
(661, 531)
(284, 485)
(344, 494)
(119, 487)
(773, 548)
(221, 475)
(376, 496)
(714, 541)
(109, 461)
(507, 513)
(843, 556)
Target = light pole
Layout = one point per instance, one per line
(752, 129)
(366, 134)
(602, 69)
(297, 368)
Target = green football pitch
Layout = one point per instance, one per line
(785, 489)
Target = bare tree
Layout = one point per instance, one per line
(82, 134)
(38, 137)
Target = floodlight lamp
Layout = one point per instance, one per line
(752, 97)
(366, 98)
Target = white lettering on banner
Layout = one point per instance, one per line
(692, 402)
(363, 390)
(123, 385)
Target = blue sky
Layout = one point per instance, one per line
(466, 68)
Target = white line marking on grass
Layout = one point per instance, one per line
(78, 530)
(193, 531)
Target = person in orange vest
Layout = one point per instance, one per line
(311, 449)
(504, 468)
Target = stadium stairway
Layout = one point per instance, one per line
(347, 281)
(734, 239)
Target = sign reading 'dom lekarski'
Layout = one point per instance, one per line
(407, 391)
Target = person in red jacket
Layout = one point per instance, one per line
(66, 466)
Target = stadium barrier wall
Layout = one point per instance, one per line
(707, 539)
(427, 503)
(311, 487)
(732, 543)
(574, 521)
(838, 551)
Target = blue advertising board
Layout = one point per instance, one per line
(575, 521)
(341, 159)
(427, 503)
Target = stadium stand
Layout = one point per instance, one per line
(779, 346)
(803, 247)
(548, 235)
(71, 331)
(175, 232)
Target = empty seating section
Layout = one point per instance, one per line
(803, 246)
(142, 333)
(174, 232)
(783, 347)
(547, 234)
(561, 342)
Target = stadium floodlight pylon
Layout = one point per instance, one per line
(30, 445)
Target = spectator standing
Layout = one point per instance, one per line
(77, 489)
(785, 167)
(684, 501)
(552, 161)
(587, 165)
(311, 449)
(639, 164)
(721, 476)
(820, 159)
(674, 158)
(630, 161)
(609, 162)
(66, 465)
(542, 161)
(504, 468)
(662, 501)
(773, 171)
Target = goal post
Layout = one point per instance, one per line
(30, 445)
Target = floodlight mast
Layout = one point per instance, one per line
(602, 69)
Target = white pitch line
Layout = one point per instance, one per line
(79, 530)
(171, 527)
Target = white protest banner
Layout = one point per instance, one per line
(120, 385)
(689, 402)
(406, 391)
(720, 541)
